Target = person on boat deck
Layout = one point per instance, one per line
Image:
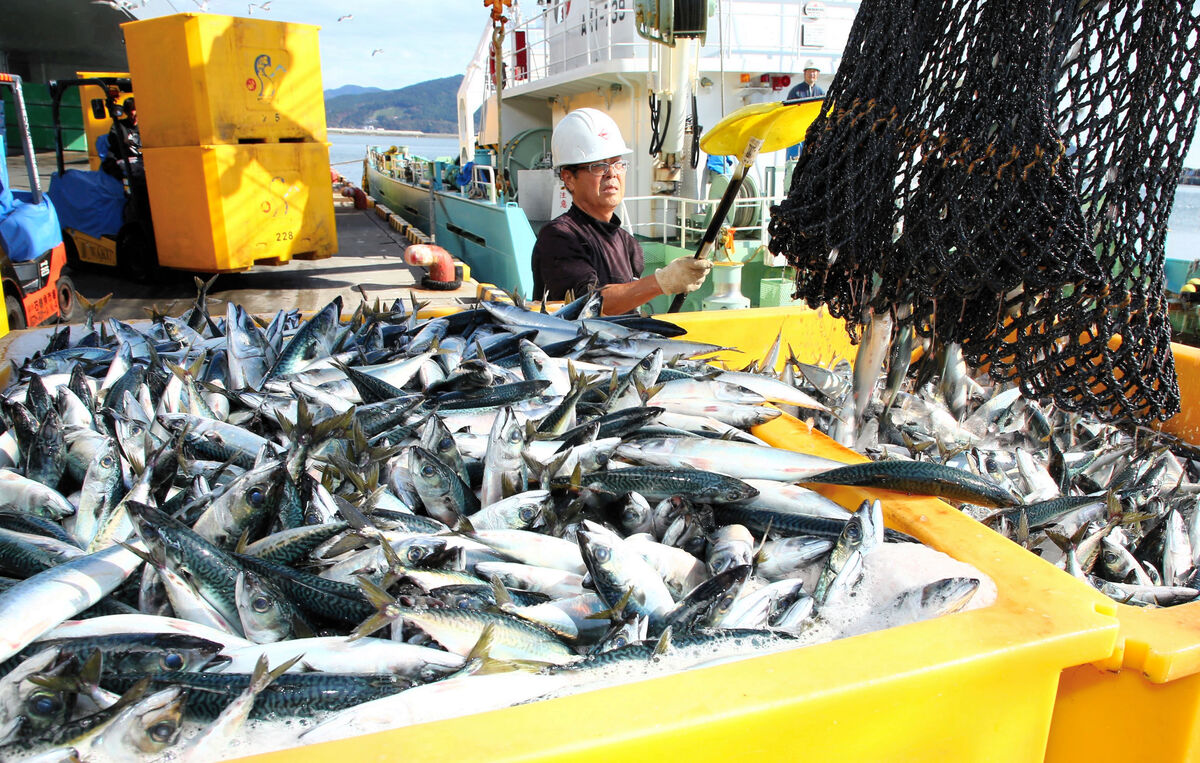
(124, 141)
(586, 247)
(809, 87)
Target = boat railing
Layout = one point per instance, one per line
(482, 184)
(682, 221)
(565, 35)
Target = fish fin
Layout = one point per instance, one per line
(484, 644)
(501, 593)
(373, 623)
(242, 542)
(352, 514)
(1058, 539)
(153, 556)
(615, 613)
(663, 646)
(378, 597)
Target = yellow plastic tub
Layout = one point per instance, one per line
(225, 208)
(1153, 676)
(977, 685)
(1153, 673)
(206, 79)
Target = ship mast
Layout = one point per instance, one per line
(498, 22)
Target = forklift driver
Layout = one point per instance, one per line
(124, 142)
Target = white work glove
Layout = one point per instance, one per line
(683, 275)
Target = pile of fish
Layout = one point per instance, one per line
(1115, 506)
(389, 520)
(392, 520)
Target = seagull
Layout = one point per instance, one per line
(347, 17)
(377, 50)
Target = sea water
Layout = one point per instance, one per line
(347, 150)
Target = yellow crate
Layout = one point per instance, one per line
(94, 127)
(207, 79)
(1153, 676)
(977, 685)
(225, 208)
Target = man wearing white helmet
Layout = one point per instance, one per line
(809, 87)
(586, 247)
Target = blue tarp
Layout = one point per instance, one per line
(27, 230)
(92, 202)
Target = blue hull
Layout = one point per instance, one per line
(495, 240)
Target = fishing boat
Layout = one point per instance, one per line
(663, 78)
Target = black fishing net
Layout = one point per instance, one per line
(1000, 173)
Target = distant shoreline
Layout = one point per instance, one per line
(399, 133)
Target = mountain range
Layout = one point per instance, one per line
(429, 106)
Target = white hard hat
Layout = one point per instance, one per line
(586, 135)
(811, 64)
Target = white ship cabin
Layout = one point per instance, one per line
(560, 55)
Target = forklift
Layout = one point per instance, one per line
(105, 221)
(33, 261)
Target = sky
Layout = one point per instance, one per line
(388, 44)
(417, 40)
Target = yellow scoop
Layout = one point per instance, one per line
(778, 125)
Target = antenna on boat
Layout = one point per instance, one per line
(498, 22)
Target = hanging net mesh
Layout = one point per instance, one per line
(1000, 173)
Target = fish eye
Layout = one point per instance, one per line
(463, 604)
(514, 436)
(45, 703)
(135, 429)
(620, 641)
(106, 461)
(427, 470)
(260, 603)
(527, 513)
(415, 554)
(446, 443)
(172, 661)
(853, 532)
(602, 554)
(162, 731)
(255, 497)
(429, 675)
(726, 602)
(1110, 557)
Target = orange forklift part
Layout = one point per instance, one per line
(444, 274)
(43, 304)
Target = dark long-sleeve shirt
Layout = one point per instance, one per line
(124, 141)
(575, 252)
(804, 90)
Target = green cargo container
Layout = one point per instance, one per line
(41, 122)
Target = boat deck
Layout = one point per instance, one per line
(369, 259)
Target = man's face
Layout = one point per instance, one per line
(598, 195)
(810, 76)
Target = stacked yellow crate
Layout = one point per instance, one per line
(232, 119)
